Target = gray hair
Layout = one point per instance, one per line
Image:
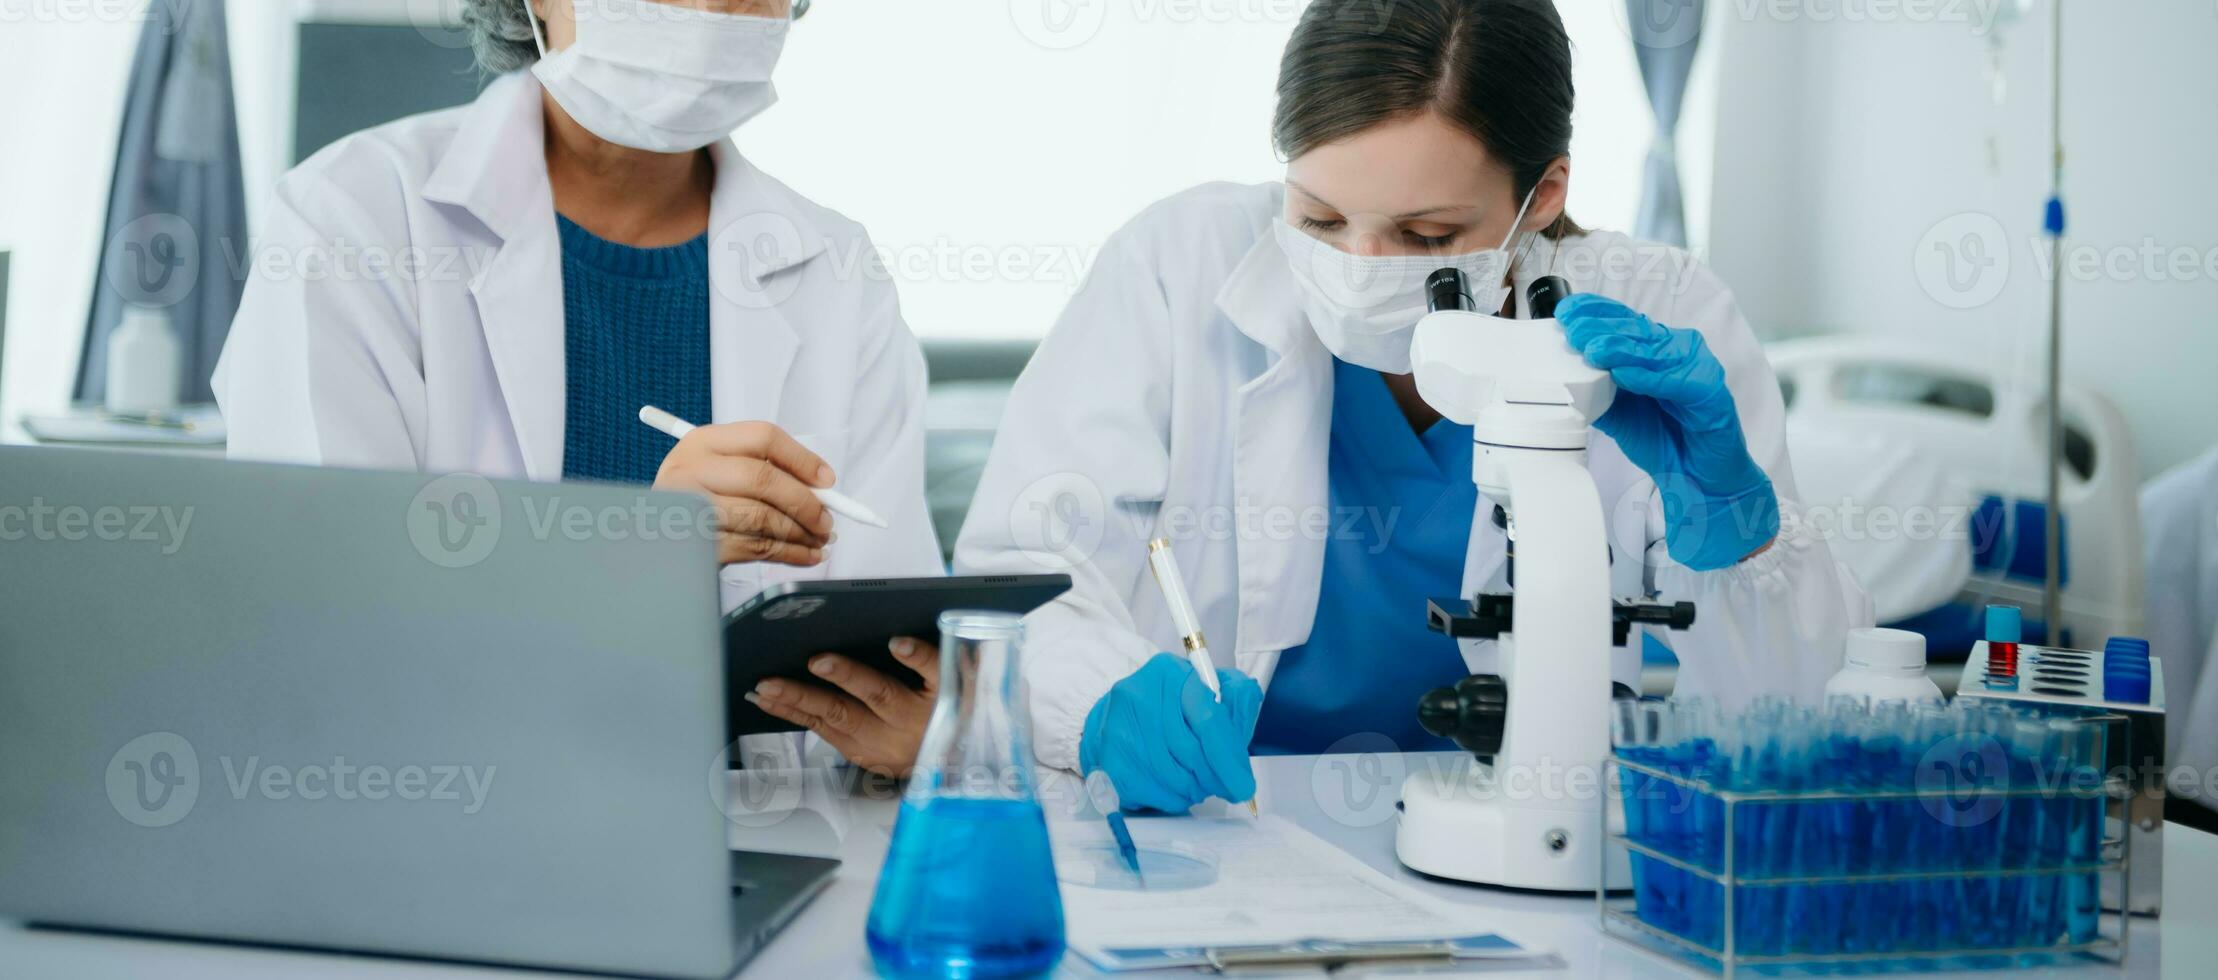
(500, 34)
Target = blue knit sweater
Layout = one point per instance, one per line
(636, 332)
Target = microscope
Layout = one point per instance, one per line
(1525, 810)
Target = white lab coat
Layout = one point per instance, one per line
(2179, 521)
(1183, 394)
(340, 356)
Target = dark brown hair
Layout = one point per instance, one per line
(1498, 69)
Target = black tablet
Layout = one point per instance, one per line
(775, 633)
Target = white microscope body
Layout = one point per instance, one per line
(1530, 818)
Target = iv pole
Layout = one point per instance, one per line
(2053, 224)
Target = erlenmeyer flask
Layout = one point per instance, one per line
(968, 888)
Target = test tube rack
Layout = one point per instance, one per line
(1750, 912)
(2072, 682)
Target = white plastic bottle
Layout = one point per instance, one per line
(1884, 665)
(144, 363)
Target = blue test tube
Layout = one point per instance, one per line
(1672, 815)
(2083, 755)
(1716, 770)
(1748, 832)
(2017, 819)
(1968, 744)
(1997, 895)
(2042, 911)
(1884, 767)
(1636, 729)
(1839, 751)
(1937, 898)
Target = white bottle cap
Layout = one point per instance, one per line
(1886, 649)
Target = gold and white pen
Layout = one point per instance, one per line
(1183, 619)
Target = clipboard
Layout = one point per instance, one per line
(1320, 953)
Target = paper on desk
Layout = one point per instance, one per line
(199, 425)
(1276, 884)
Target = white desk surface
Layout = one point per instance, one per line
(1344, 799)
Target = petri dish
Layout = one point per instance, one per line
(1163, 867)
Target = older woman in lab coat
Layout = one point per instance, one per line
(1229, 378)
(498, 288)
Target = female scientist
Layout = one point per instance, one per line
(500, 287)
(1234, 377)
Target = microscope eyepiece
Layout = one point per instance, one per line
(1542, 296)
(1445, 290)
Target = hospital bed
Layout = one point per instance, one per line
(1945, 433)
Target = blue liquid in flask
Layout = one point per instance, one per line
(968, 889)
(967, 893)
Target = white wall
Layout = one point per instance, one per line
(1851, 149)
(63, 79)
(976, 132)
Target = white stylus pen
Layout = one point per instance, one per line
(833, 500)
(1165, 567)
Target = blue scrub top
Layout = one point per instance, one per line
(1401, 524)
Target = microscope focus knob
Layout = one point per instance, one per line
(1471, 714)
(1673, 615)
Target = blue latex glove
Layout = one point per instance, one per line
(1167, 742)
(1674, 418)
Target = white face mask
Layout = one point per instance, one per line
(1366, 308)
(659, 77)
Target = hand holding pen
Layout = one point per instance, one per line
(1171, 735)
(1183, 617)
(772, 495)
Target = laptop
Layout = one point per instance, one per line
(389, 713)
